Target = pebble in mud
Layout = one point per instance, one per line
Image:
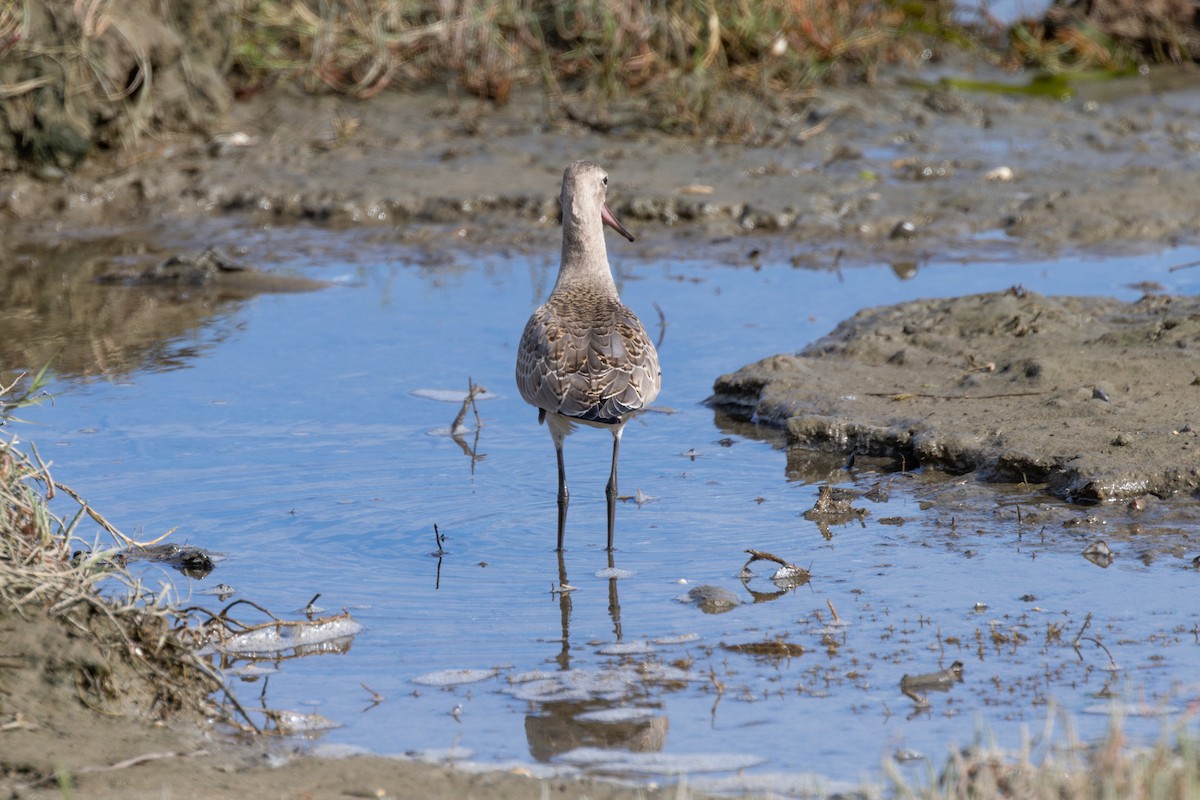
(710, 599)
(1099, 553)
(916, 687)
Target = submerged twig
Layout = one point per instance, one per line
(473, 392)
(1188, 265)
(437, 538)
(1079, 637)
(662, 326)
(468, 403)
(376, 697)
(471, 450)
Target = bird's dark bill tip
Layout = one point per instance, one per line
(611, 221)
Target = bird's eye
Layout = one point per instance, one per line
(606, 180)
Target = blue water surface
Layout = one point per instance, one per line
(298, 444)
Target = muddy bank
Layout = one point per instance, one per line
(1096, 397)
(894, 172)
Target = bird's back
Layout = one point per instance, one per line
(586, 356)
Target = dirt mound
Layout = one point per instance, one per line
(1094, 396)
(82, 75)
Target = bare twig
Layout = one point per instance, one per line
(815, 130)
(760, 555)
(376, 697)
(6, 389)
(1188, 265)
(121, 538)
(716, 684)
(232, 698)
(44, 469)
(911, 395)
(309, 608)
(787, 571)
(224, 615)
(24, 87)
(47, 779)
(142, 759)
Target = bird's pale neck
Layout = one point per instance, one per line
(584, 254)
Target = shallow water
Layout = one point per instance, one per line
(294, 435)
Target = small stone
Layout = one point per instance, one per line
(1098, 553)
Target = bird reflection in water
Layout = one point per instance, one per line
(561, 725)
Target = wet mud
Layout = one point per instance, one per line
(1093, 396)
(896, 172)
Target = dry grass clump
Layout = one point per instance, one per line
(1108, 35)
(81, 73)
(1168, 770)
(675, 54)
(130, 650)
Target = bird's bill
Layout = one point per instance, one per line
(611, 221)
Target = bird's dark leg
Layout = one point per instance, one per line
(610, 491)
(564, 496)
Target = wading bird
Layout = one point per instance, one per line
(584, 357)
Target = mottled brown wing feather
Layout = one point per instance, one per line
(535, 358)
(592, 361)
